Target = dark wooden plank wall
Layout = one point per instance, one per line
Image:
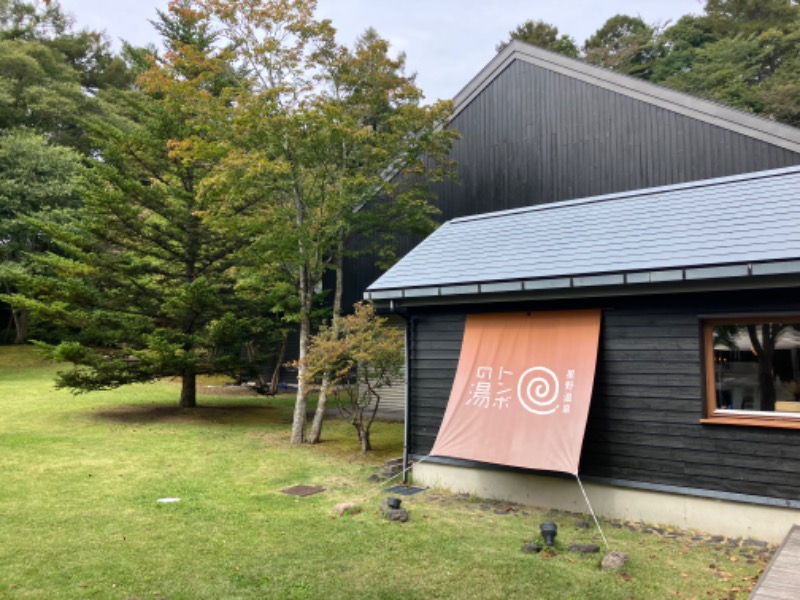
(648, 398)
(535, 136)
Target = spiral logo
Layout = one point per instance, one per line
(537, 390)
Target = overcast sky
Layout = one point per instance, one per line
(446, 41)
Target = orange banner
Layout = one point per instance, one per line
(522, 390)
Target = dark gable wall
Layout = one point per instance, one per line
(535, 136)
(648, 397)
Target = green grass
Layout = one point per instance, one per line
(80, 476)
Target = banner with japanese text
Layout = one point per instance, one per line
(522, 390)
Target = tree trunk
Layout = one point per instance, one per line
(364, 440)
(276, 374)
(322, 403)
(765, 351)
(189, 388)
(301, 403)
(319, 416)
(21, 325)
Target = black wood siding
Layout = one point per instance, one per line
(534, 136)
(648, 396)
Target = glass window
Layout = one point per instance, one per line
(753, 370)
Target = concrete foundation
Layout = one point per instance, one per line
(733, 519)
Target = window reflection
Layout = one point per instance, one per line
(757, 367)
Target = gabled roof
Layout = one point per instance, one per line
(748, 124)
(744, 226)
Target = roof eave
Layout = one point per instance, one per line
(687, 279)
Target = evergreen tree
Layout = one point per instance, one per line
(625, 44)
(146, 273)
(544, 35)
(745, 53)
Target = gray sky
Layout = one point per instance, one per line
(446, 41)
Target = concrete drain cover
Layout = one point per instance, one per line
(303, 490)
(405, 490)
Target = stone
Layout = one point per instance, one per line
(530, 548)
(393, 467)
(584, 548)
(614, 561)
(716, 539)
(755, 543)
(397, 514)
(582, 524)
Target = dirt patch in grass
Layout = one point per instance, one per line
(228, 391)
(217, 385)
(232, 414)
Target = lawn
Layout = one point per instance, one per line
(81, 476)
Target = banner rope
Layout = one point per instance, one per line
(591, 510)
(375, 489)
(382, 484)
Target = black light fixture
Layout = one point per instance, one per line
(393, 503)
(549, 532)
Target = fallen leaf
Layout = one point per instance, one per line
(685, 575)
(734, 559)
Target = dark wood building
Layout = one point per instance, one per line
(697, 281)
(538, 127)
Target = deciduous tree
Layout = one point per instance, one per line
(50, 72)
(322, 131)
(36, 177)
(357, 361)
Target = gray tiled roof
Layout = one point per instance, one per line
(734, 226)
